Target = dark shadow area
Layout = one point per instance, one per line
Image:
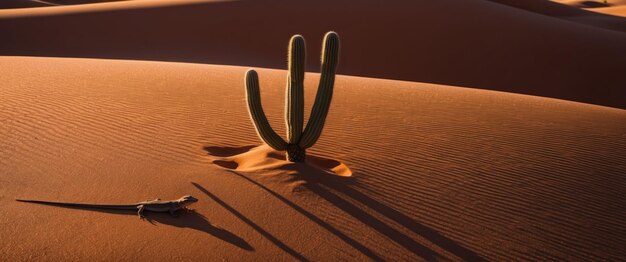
(191, 220)
(256, 227)
(350, 241)
(312, 183)
(170, 33)
(326, 188)
(592, 4)
(226, 151)
(555, 9)
(316, 172)
(226, 164)
(332, 188)
(7, 4)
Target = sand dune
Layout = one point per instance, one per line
(44, 3)
(446, 42)
(438, 172)
(23, 3)
(571, 12)
(614, 10)
(591, 3)
(404, 171)
(613, 7)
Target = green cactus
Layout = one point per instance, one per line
(297, 139)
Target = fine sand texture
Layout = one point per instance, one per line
(404, 171)
(532, 47)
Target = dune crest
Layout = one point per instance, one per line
(444, 42)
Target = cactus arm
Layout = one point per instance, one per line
(330, 57)
(255, 109)
(294, 95)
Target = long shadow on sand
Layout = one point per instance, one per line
(191, 220)
(339, 192)
(256, 227)
(325, 187)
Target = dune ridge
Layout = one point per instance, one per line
(572, 12)
(453, 43)
(439, 172)
(592, 3)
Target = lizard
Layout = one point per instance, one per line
(156, 205)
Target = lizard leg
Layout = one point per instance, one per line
(140, 210)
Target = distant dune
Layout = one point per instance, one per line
(455, 43)
(44, 3)
(592, 3)
(438, 172)
(23, 3)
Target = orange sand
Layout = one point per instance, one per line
(404, 171)
(612, 8)
(438, 172)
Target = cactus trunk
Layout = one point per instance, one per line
(295, 153)
(294, 98)
(330, 55)
(263, 128)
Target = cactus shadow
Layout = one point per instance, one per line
(322, 177)
(225, 151)
(592, 4)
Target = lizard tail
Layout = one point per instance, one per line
(65, 204)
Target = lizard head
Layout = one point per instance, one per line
(187, 200)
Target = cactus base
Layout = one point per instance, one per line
(295, 153)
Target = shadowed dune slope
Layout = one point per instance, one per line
(23, 3)
(439, 172)
(468, 43)
(43, 3)
(569, 12)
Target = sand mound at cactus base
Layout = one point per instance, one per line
(264, 158)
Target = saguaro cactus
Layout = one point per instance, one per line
(297, 139)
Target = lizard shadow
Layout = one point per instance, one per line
(295, 254)
(184, 219)
(199, 222)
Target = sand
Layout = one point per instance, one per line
(612, 8)
(437, 172)
(452, 43)
(404, 171)
(592, 3)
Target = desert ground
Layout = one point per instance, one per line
(466, 130)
